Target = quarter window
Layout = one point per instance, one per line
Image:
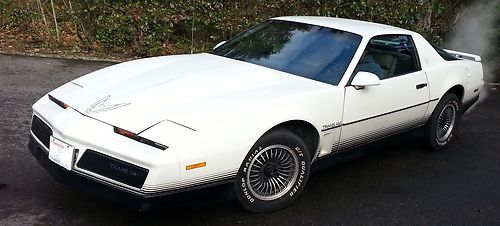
(389, 56)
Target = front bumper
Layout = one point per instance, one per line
(75, 179)
(214, 192)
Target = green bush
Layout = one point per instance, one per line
(155, 27)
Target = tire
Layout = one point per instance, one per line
(274, 172)
(442, 124)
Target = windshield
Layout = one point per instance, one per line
(314, 52)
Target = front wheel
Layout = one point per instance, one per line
(274, 172)
(443, 122)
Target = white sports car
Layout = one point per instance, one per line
(258, 111)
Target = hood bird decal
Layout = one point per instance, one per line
(99, 106)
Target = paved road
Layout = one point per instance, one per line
(400, 184)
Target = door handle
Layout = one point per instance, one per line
(420, 86)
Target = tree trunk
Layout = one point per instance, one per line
(55, 19)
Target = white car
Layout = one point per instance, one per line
(258, 111)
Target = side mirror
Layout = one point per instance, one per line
(363, 78)
(220, 43)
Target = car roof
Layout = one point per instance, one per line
(364, 28)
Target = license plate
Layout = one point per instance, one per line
(61, 153)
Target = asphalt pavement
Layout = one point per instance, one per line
(402, 183)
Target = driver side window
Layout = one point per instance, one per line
(389, 56)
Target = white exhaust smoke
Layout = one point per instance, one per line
(475, 33)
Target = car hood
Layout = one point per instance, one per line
(184, 89)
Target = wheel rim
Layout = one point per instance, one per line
(445, 122)
(272, 172)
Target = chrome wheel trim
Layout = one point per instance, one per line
(272, 172)
(446, 122)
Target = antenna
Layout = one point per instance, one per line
(192, 28)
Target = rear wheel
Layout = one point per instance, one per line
(274, 172)
(443, 122)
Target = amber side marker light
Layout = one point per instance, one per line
(137, 138)
(197, 165)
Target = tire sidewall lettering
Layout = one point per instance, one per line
(246, 193)
(250, 158)
(299, 182)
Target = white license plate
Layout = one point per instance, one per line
(61, 153)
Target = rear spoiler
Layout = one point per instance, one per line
(462, 55)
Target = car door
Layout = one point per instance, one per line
(397, 104)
